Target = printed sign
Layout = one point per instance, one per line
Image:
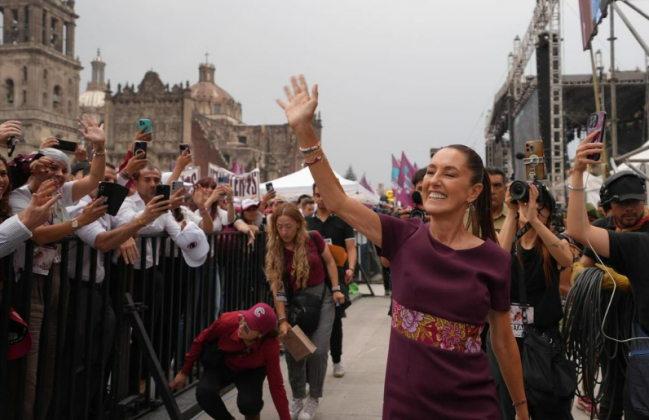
(191, 175)
(243, 185)
(516, 314)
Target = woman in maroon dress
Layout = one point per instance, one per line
(446, 281)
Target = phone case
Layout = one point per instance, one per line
(176, 185)
(144, 123)
(115, 195)
(596, 122)
(534, 148)
(140, 147)
(164, 190)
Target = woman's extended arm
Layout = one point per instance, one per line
(577, 226)
(299, 112)
(506, 234)
(509, 359)
(279, 297)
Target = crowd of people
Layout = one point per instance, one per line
(478, 279)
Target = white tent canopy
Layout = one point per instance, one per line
(292, 186)
(642, 166)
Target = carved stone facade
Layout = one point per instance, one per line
(39, 75)
(204, 116)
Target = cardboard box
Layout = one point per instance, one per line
(298, 344)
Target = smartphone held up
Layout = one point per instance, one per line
(596, 123)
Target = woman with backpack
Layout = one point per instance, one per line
(304, 276)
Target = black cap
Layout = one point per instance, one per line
(81, 166)
(624, 186)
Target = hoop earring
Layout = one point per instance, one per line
(471, 207)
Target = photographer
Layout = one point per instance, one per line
(537, 257)
(623, 249)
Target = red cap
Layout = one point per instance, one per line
(20, 339)
(260, 317)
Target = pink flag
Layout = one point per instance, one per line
(396, 171)
(363, 182)
(235, 168)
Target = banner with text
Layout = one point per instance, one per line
(243, 185)
(191, 175)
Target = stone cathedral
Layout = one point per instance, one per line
(40, 87)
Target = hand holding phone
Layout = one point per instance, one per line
(184, 148)
(222, 180)
(596, 122)
(269, 187)
(146, 125)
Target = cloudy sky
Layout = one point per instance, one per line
(394, 75)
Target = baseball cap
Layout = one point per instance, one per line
(247, 203)
(260, 317)
(80, 166)
(193, 244)
(625, 186)
(20, 339)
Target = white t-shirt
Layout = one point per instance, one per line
(219, 221)
(133, 207)
(44, 256)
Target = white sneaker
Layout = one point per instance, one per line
(295, 408)
(310, 408)
(339, 370)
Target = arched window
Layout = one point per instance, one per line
(24, 73)
(9, 87)
(56, 97)
(24, 97)
(70, 107)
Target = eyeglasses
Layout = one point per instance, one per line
(244, 327)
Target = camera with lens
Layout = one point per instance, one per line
(418, 212)
(534, 170)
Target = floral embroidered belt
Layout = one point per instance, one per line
(436, 332)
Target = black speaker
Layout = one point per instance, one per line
(543, 79)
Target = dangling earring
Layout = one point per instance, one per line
(471, 207)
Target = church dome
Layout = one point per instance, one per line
(92, 99)
(207, 91)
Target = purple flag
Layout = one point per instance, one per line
(173, 164)
(235, 168)
(406, 173)
(363, 182)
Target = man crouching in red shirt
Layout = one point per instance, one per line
(241, 348)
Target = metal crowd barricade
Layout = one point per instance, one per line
(157, 313)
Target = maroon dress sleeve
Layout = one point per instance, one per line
(395, 232)
(500, 284)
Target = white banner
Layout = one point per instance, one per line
(191, 176)
(243, 185)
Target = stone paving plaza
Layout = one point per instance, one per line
(359, 395)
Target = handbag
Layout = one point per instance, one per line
(304, 308)
(549, 377)
(637, 372)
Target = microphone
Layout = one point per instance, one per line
(520, 156)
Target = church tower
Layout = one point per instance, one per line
(39, 74)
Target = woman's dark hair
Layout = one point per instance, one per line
(5, 208)
(209, 182)
(480, 219)
(419, 176)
